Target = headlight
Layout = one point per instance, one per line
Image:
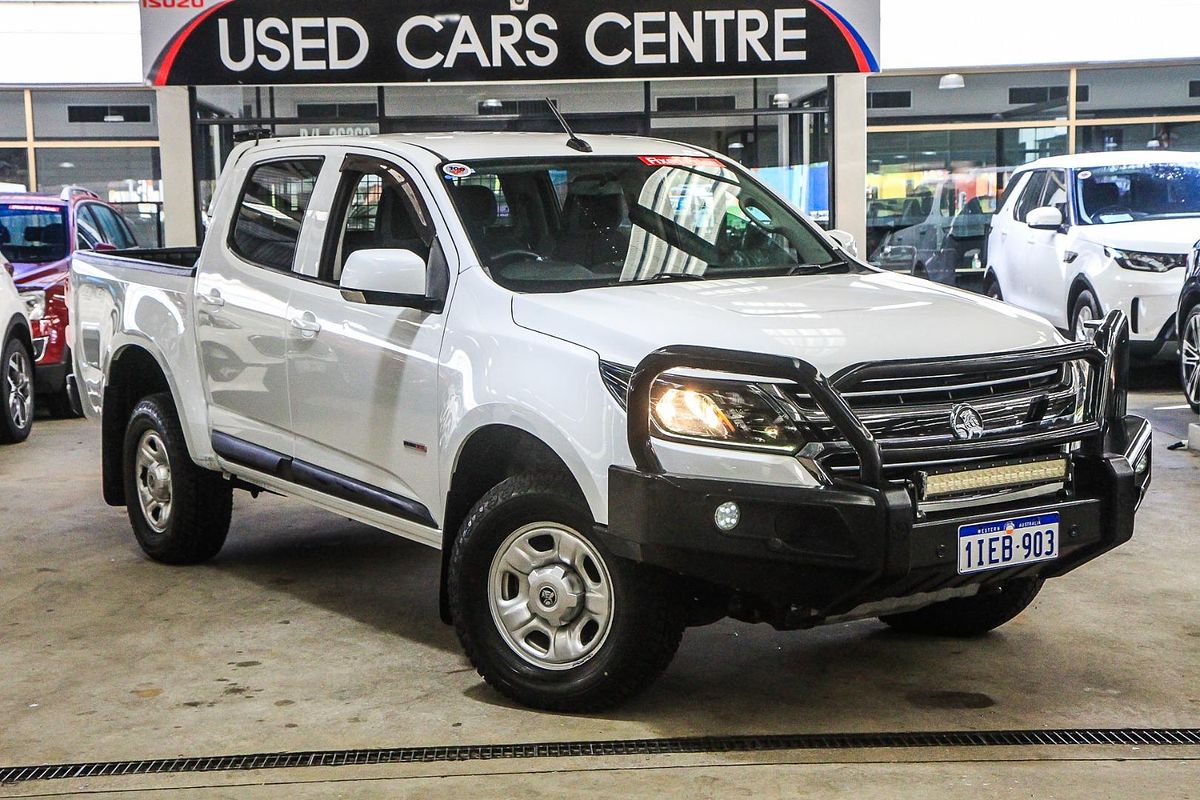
(35, 304)
(738, 415)
(1146, 262)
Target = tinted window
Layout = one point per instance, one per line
(31, 233)
(1031, 195)
(112, 227)
(1128, 193)
(270, 212)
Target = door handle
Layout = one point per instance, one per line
(213, 298)
(306, 324)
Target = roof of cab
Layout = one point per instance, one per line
(1117, 158)
(488, 144)
(33, 198)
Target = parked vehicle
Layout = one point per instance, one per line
(940, 236)
(1189, 330)
(16, 362)
(606, 403)
(38, 234)
(1082, 235)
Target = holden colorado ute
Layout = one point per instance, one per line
(618, 382)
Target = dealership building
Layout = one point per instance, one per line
(848, 107)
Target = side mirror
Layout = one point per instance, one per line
(1046, 218)
(386, 278)
(105, 247)
(845, 240)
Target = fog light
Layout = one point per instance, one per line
(727, 516)
(1143, 464)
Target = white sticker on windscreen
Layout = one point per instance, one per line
(1083, 176)
(457, 171)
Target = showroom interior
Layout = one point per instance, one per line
(311, 656)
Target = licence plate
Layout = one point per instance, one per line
(1007, 543)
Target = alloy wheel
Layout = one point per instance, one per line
(20, 389)
(154, 488)
(551, 596)
(1082, 332)
(1190, 358)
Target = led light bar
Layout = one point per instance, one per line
(1005, 476)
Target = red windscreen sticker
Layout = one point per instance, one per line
(680, 161)
(24, 207)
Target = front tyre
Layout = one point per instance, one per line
(180, 512)
(1189, 357)
(16, 392)
(548, 617)
(969, 616)
(1085, 311)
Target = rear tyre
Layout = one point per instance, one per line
(1085, 309)
(180, 512)
(1189, 357)
(549, 617)
(969, 616)
(16, 392)
(992, 290)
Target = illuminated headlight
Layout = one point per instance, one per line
(1146, 262)
(35, 304)
(949, 484)
(738, 415)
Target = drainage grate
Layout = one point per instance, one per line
(619, 747)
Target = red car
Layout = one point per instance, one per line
(38, 234)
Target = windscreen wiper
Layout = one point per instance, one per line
(819, 269)
(664, 277)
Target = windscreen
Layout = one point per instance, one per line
(579, 223)
(1150, 191)
(33, 234)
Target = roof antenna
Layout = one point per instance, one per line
(575, 143)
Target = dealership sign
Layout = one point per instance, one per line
(227, 42)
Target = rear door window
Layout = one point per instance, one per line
(270, 212)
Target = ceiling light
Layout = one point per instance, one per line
(952, 81)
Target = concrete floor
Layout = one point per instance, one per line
(310, 632)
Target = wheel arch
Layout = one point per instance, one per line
(1189, 300)
(488, 456)
(134, 372)
(1079, 285)
(18, 327)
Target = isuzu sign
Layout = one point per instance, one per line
(225, 42)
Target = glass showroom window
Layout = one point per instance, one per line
(940, 153)
(786, 144)
(14, 169)
(931, 194)
(1130, 109)
(117, 174)
(12, 115)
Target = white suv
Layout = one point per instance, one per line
(1078, 236)
(16, 362)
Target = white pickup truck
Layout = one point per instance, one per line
(620, 384)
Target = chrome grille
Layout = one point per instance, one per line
(910, 411)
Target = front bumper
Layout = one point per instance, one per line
(802, 555)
